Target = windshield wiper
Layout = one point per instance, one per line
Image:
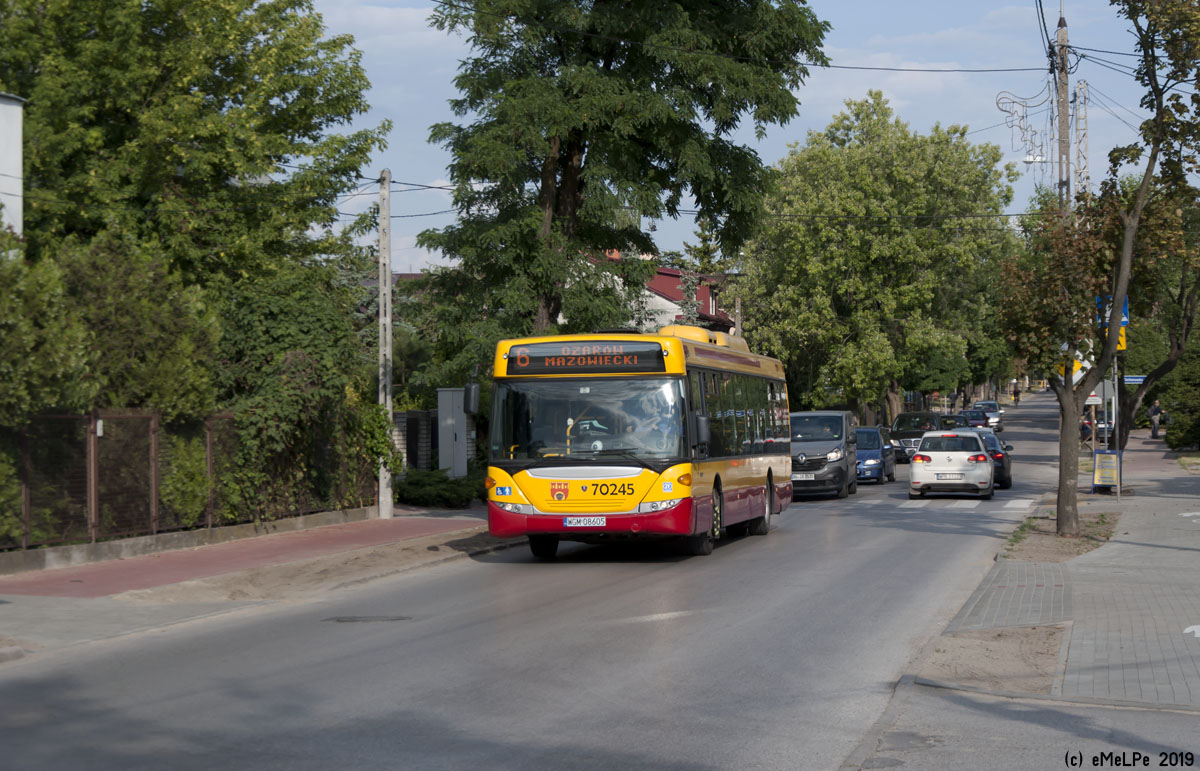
(630, 454)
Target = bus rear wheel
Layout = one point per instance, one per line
(762, 525)
(544, 547)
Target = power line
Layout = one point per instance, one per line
(1102, 51)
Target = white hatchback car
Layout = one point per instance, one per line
(951, 462)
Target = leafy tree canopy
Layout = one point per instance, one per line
(200, 127)
(43, 345)
(586, 118)
(875, 256)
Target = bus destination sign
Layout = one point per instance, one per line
(586, 358)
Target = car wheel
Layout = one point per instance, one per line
(990, 492)
(844, 490)
(853, 487)
(892, 476)
(544, 547)
(762, 525)
(1007, 483)
(914, 496)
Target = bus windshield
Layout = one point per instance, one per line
(588, 418)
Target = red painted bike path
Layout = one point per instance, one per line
(100, 579)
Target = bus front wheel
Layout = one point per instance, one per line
(702, 545)
(544, 547)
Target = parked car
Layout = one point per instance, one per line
(824, 452)
(876, 454)
(909, 427)
(994, 412)
(975, 418)
(1001, 458)
(951, 462)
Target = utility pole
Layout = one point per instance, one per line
(1083, 179)
(385, 502)
(1064, 119)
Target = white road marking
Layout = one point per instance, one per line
(1192, 630)
(914, 504)
(1018, 503)
(873, 500)
(653, 617)
(1190, 514)
(964, 504)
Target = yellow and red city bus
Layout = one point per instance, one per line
(599, 437)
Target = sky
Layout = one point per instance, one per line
(412, 66)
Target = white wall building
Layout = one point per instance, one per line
(11, 164)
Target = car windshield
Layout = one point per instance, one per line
(867, 440)
(991, 441)
(959, 443)
(594, 417)
(813, 428)
(975, 415)
(913, 423)
(987, 406)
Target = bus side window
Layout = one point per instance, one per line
(715, 404)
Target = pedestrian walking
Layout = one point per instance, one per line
(953, 400)
(1155, 416)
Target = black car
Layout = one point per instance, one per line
(909, 427)
(1001, 459)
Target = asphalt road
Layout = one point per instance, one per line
(776, 652)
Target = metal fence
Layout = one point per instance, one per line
(120, 473)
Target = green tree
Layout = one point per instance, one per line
(1181, 400)
(154, 339)
(209, 136)
(1051, 319)
(1164, 296)
(290, 371)
(871, 262)
(582, 114)
(43, 345)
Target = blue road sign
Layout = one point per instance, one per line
(1103, 307)
(1135, 379)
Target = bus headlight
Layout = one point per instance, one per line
(515, 508)
(646, 508)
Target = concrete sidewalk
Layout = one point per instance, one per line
(1132, 606)
(55, 608)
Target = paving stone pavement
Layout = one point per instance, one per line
(1133, 604)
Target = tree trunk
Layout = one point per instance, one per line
(892, 401)
(1067, 507)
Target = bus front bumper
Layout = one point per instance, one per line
(677, 520)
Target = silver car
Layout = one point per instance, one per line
(994, 412)
(953, 461)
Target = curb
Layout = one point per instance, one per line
(1081, 701)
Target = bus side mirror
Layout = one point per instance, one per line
(703, 435)
(471, 398)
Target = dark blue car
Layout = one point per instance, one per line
(876, 454)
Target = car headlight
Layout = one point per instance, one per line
(835, 454)
(871, 462)
(646, 508)
(515, 508)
